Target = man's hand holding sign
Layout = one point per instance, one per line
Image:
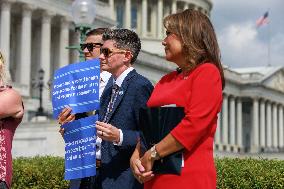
(76, 90)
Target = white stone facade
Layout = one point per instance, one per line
(34, 34)
(146, 17)
(252, 115)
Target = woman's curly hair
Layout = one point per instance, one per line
(2, 70)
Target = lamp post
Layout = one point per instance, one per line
(83, 13)
(40, 85)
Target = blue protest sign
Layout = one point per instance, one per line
(76, 86)
(80, 148)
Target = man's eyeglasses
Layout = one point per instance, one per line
(107, 52)
(90, 46)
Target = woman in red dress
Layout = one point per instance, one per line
(197, 86)
(11, 114)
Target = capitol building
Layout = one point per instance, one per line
(34, 35)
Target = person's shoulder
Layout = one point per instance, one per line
(12, 99)
(140, 84)
(169, 76)
(206, 67)
(142, 80)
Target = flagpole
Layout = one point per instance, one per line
(268, 45)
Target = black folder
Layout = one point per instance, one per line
(155, 123)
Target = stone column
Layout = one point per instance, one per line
(174, 6)
(218, 130)
(153, 19)
(225, 120)
(5, 32)
(74, 40)
(24, 71)
(128, 14)
(255, 129)
(160, 19)
(281, 125)
(185, 6)
(269, 125)
(64, 42)
(139, 19)
(262, 123)
(274, 126)
(239, 123)
(144, 18)
(111, 5)
(45, 43)
(232, 129)
(45, 52)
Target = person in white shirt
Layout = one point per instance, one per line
(91, 49)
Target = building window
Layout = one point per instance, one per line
(120, 15)
(134, 16)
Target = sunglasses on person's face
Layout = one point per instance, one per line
(90, 46)
(107, 52)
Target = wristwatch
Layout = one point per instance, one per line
(154, 153)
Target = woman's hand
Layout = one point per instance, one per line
(148, 173)
(135, 163)
(145, 177)
(137, 168)
(147, 161)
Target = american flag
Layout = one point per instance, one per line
(263, 20)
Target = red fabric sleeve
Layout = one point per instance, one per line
(203, 102)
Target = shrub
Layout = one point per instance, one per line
(48, 173)
(39, 173)
(250, 173)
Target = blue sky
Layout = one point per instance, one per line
(241, 43)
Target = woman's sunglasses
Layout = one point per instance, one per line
(90, 46)
(107, 52)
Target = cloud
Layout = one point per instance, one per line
(241, 47)
(241, 43)
(277, 46)
(237, 36)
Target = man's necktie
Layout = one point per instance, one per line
(114, 94)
